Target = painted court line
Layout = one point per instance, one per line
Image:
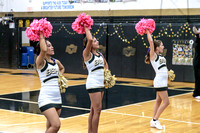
(21, 112)
(106, 111)
(188, 122)
(86, 114)
(15, 100)
(76, 107)
(34, 90)
(20, 124)
(135, 104)
(8, 99)
(150, 87)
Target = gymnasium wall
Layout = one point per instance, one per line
(123, 48)
(8, 47)
(114, 25)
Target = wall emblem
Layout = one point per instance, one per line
(71, 49)
(129, 51)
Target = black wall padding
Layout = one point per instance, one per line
(128, 61)
(117, 49)
(4, 46)
(71, 62)
(101, 36)
(188, 75)
(115, 46)
(8, 47)
(142, 70)
(114, 52)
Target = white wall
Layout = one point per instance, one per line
(64, 5)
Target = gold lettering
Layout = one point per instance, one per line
(51, 71)
(97, 62)
(162, 61)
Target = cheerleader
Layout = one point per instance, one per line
(158, 62)
(49, 100)
(95, 63)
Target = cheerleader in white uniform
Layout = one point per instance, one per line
(49, 100)
(160, 81)
(95, 63)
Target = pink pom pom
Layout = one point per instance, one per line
(33, 32)
(81, 21)
(144, 24)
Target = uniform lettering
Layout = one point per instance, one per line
(161, 61)
(98, 62)
(51, 71)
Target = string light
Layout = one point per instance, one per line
(184, 30)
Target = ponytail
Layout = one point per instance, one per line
(84, 46)
(147, 57)
(156, 44)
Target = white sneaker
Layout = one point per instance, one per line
(197, 97)
(156, 124)
(152, 123)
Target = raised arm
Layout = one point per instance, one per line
(195, 30)
(43, 50)
(151, 52)
(86, 52)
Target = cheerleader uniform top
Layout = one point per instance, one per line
(49, 92)
(160, 68)
(95, 67)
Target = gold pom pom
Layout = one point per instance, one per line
(62, 82)
(171, 75)
(109, 79)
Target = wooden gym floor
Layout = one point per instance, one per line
(127, 107)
